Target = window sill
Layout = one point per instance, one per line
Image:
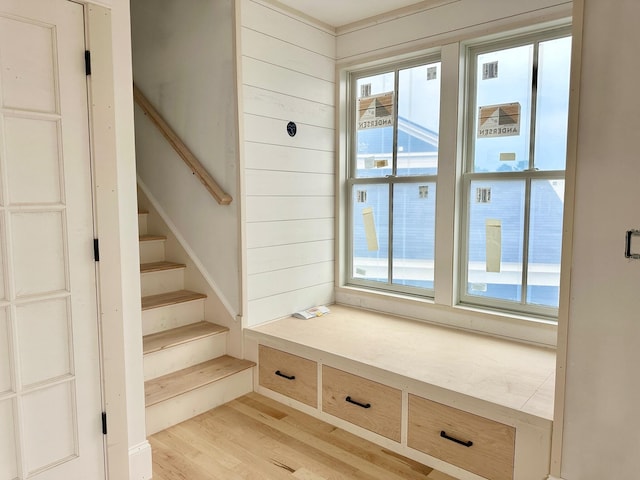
(514, 327)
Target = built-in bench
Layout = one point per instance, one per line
(470, 405)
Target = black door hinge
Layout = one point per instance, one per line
(87, 62)
(96, 250)
(104, 423)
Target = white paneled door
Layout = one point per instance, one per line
(50, 385)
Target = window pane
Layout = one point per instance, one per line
(553, 104)
(545, 242)
(374, 126)
(418, 120)
(495, 243)
(503, 87)
(370, 227)
(414, 234)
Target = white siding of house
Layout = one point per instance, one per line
(287, 74)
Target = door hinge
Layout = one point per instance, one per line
(104, 423)
(87, 62)
(96, 250)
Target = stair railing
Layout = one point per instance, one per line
(181, 149)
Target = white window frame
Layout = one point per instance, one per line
(353, 77)
(473, 50)
(445, 307)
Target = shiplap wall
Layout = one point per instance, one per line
(287, 74)
(441, 23)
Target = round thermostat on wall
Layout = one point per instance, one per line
(292, 129)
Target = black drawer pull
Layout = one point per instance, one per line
(363, 405)
(280, 374)
(443, 434)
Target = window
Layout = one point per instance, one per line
(516, 139)
(493, 180)
(392, 177)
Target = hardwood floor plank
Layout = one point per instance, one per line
(280, 449)
(197, 452)
(327, 447)
(439, 476)
(252, 456)
(304, 474)
(255, 437)
(396, 464)
(277, 455)
(174, 466)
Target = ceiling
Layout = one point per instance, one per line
(341, 12)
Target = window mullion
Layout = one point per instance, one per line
(449, 173)
(394, 151)
(394, 170)
(532, 167)
(525, 240)
(390, 246)
(534, 107)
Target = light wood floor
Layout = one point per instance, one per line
(254, 437)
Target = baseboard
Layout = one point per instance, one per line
(140, 462)
(551, 477)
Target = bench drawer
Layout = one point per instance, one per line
(474, 443)
(365, 403)
(288, 374)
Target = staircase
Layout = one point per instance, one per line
(186, 368)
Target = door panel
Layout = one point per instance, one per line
(43, 339)
(50, 383)
(31, 80)
(34, 167)
(8, 465)
(39, 253)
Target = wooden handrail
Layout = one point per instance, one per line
(181, 149)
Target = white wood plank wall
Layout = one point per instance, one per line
(288, 74)
(439, 23)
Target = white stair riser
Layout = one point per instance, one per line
(164, 318)
(142, 223)
(185, 355)
(152, 251)
(164, 281)
(173, 411)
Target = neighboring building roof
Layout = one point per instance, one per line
(412, 137)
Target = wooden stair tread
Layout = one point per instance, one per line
(151, 238)
(160, 266)
(180, 335)
(170, 298)
(169, 386)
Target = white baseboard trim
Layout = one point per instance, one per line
(140, 462)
